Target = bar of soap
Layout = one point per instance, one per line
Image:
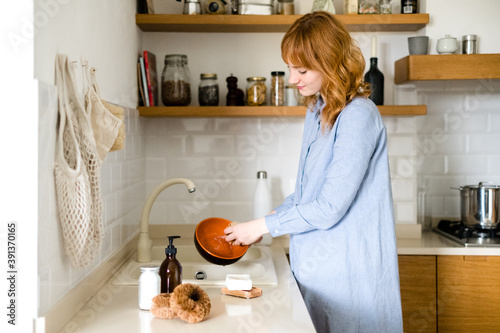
(238, 282)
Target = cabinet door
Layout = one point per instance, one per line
(417, 275)
(468, 294)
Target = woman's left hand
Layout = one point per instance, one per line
(247, 233)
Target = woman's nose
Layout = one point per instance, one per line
(293, 79)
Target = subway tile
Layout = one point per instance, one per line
(401, 145)
(105, 249)
(494, 165)
(467, 164)
(475, 122)
(235, 168)
(493, 123)
(201, 125)
(220, 145)
(429, 123)
(155, 168)
(235, 126)
(189, 212)
(442, 143)
(234, 210)
(165, 146)
(403, 189)
(484, 143)
(195, 167)
(443, 185)
(405, 212)
(431, 164)
(115, 236)
(452, 206)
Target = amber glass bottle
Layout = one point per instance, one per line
(170, 269)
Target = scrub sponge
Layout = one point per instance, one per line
(238, 282)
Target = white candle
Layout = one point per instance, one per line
(374, 47)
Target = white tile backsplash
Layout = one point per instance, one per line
(122, 180)
(468, 152)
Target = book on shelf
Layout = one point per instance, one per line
(142, 100)
(144, 82)
(151, 77)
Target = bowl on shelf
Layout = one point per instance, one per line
(210, 241)
(447, 45)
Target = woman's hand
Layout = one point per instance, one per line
(247, 233)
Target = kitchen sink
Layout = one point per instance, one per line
(257, 262)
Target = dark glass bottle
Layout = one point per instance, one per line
(170, 269)
(409, 6)
(376, 80)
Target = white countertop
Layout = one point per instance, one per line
(432, 243)
(279, 309)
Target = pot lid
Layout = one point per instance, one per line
(486, 185)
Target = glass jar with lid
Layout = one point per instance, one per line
(175, 86)
(285, 7)
(256, 91)
(277, 88)
(208, 90)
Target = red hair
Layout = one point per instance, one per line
(319, 42)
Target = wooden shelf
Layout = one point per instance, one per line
(447, 67)
(273, 23)
(261, 111)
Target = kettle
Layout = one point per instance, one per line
(191, 7)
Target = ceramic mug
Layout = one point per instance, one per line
(447, 45)
(418, 44)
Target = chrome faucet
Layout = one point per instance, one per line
(145, 243)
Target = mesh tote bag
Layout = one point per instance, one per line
(105, 124)
(77, 173)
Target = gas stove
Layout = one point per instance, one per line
(468, 236)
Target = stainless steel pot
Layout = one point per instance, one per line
(480, 205)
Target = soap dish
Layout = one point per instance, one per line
(254, 292)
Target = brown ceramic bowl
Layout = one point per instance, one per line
(209, 239)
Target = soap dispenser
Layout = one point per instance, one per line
(170, 269)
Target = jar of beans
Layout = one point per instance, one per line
(175, 86)
(256, 91)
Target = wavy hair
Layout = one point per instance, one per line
(318, 41)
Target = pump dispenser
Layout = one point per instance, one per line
(170, 269)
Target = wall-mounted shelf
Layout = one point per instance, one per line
(272, 23)
(447, 67)
(261, 111)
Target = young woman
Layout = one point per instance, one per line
(340, 218)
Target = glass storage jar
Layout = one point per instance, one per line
(285, 7)
(175, 86)
(277, 88)
(208, 90)
(256, 91)
(149, 286)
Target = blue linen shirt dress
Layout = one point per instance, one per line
(341, 223)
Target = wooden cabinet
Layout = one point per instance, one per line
(468, 294)
(417, 276)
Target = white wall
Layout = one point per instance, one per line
(458, 139)
(104, 34)
(206, 150)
